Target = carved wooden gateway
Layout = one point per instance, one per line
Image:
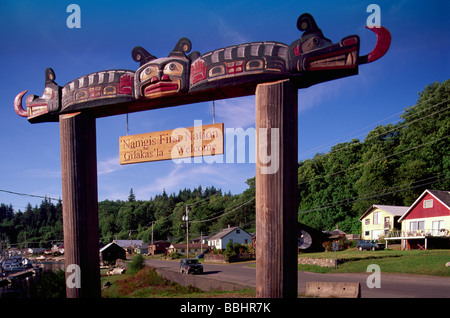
(273, 71)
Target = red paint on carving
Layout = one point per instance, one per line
(383, 43)
(160, 87)
(198, 71)
(235, 67)
(297, 50)
(125, 86)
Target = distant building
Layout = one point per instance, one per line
(158, 247)
(426, 223)
(181, 248)
(141, 249)
(127, 244)
(378, 220)
(111, 252)
(230, 234)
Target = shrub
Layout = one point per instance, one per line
(136, 264)
(49, 284)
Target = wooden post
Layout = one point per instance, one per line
(276, 190)
(80, 205)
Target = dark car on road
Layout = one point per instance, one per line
(191, 266)
(369, 245)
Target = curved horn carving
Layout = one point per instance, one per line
(382, 46)
(18, 105)
(139, 54)
(183, 46)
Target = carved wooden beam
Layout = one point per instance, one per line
(185, 79)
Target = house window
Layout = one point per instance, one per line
(367, 221)
(387, 222)
(415, 226)
(366, 233)
(238, 231)
(437, 226)
(376, 218)
(427, 204)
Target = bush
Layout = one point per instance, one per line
(175, 255)
(49, 284)
(136, 264)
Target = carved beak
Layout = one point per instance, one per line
(382, 46)
(18, 105)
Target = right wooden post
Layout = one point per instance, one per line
(276, 190)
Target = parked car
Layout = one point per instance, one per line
(369, 245)
(191, 265)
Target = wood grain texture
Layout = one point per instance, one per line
(276, 193)
(80, 203)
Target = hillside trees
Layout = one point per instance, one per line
(393, 165)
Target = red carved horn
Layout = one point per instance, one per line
(382, 46)
(18, 105)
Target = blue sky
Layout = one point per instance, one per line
(34, 36)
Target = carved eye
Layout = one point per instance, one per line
(149, 72)
(311, 44)
(173, 68)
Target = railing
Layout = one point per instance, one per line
(418, 233)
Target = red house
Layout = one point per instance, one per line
(427, 221)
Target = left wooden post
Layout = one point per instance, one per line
(80, 205)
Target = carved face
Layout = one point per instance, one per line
(47, 103)
(315, 54)
(161, 77)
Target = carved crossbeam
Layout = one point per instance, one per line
(185, 79)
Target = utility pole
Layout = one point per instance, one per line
(186, 218)
(153, 248)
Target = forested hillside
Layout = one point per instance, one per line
(392, 165)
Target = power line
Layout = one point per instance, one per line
(374, 195)
(217, 217)
(29, 195)
(303, 154)
(375, 160)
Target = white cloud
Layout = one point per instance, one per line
(108, 166)
(237, 112)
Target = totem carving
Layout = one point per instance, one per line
(306, 61)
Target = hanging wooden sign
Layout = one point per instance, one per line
(173, 144)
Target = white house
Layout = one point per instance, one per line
(230, 234)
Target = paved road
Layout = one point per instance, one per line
(392, 285)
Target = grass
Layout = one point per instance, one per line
(417, 262)
(146, 283)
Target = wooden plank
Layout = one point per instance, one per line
(276, 190)
(80, 205)
(172, 144)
